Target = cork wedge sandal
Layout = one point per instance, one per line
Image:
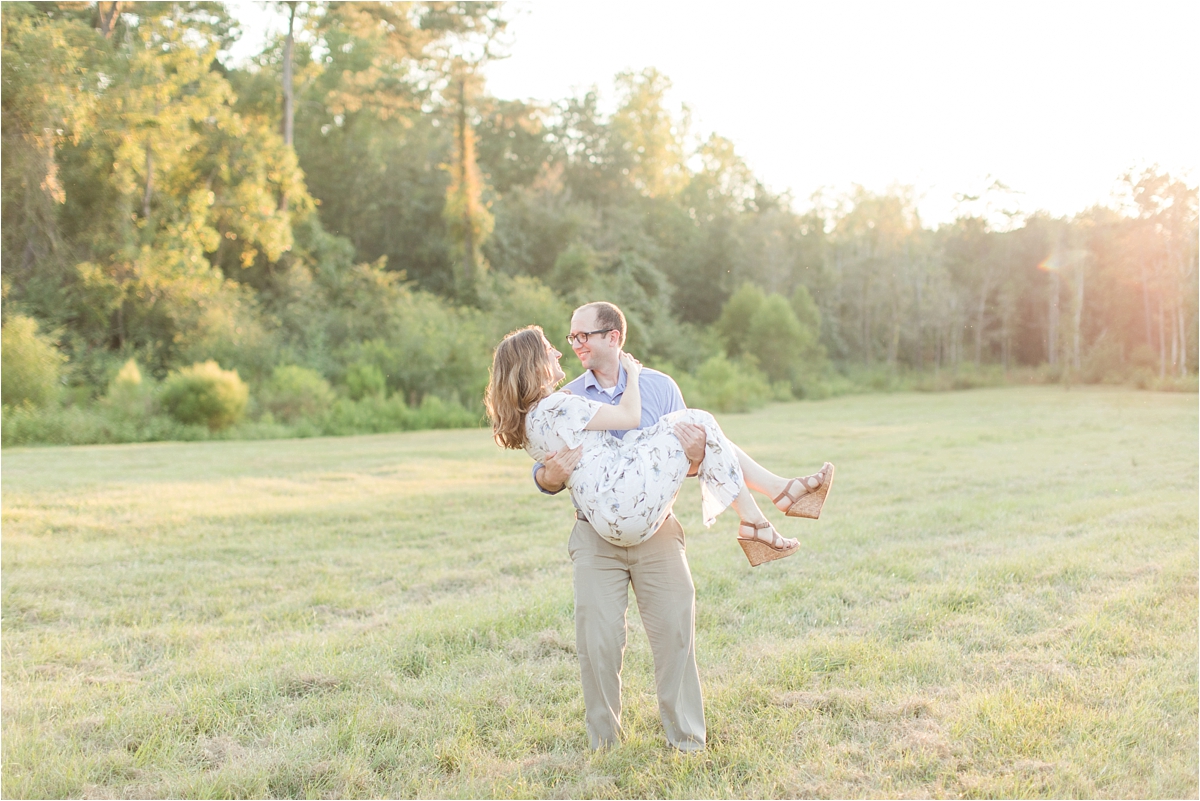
(814, 490)
(759, 551)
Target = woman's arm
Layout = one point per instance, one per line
(628, 413)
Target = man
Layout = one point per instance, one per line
(657, 569)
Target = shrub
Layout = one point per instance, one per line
(785, 342)
(379, 414)
(373, 414)
(204, 393)
(78, 425)
(1103, 363)
(30, 364)
(736, 317)
(724, 385)
(364, 380)
(127, 393)
(776, 338)
(437, 413)
(296, 393)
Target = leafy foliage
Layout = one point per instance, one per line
(31, 363)
(295, 393)
(154, 210)
(205, 394)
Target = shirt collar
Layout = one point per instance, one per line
(590, 382)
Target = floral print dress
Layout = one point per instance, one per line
(625, 487)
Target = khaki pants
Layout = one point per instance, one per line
(666, 599)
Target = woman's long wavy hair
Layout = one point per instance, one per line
(520, 377)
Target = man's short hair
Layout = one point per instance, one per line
(607, 316)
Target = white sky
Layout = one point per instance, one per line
(1055, 99)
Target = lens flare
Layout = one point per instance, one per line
(1050, 264)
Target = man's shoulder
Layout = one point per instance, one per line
(657, 376)
(576, 385)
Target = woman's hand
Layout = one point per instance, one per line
(633, 368)
(627, 414)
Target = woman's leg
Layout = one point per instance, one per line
(749, 512)
(720, 453)
(762, 480)
(759, 478)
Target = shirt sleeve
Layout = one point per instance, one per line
(536, 467)
(675, 400)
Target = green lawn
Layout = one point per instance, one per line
(999, 600)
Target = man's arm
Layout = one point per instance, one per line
(694, 439)
(552, 475)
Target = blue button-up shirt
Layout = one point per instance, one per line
(660, 396)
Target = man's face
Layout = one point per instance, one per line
(601, 351)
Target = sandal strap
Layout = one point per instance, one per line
(776, 537)
(803, 482)
(787, 492)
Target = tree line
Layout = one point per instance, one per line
(353, 202)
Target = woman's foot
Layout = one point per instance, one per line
(804, 497)
(762, 543)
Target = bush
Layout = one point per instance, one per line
(30, 364)
(776, 339)
(724, 385)
(737, 315)
(1103, 363)
(376, 414)
(437, 413)
(79, 425)
(297, 393)
(205, 394)
(128, 394)
(365, 380)
(785, 342)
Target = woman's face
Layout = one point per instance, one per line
(556, 371)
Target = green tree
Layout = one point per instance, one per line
(737, 317)
(468, 221)
(649, 134)
(31, 363)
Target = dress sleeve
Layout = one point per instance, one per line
(558, 422)
(571, 416)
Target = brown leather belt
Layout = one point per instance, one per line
(579, 515)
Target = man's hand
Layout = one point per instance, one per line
(694, 439)
(557, 467)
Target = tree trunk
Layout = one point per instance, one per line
(980, 312)
(1182, 327)
(464, 178)
(1077, 343)
(287, 124)
(1052, 321)
(106, 17)
(1146, 303)
(1175, 332)
(1162, 340)
(149, 193)
(920, 325)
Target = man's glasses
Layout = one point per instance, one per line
(580, 339)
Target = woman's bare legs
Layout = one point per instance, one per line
(749, 512)
(759, 478)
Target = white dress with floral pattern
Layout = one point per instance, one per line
(625, 487)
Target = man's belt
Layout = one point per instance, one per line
(579, 515)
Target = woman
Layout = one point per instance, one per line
(625, 487)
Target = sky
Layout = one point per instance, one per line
(1056, 100)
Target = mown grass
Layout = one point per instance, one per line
(1000, 600)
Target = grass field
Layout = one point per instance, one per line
(999, 600)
